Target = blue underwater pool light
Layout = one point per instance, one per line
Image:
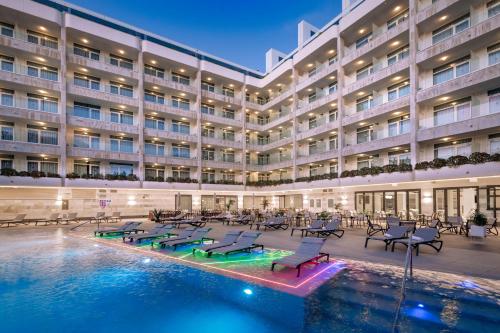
(247, 291)
(420, 305)
(146, 260)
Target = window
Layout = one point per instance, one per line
(392, 23)
(181, 173)
(208, 176)
(363, 40)
(154, 97)
(207, 109)
(494, 140)
(365, 134)
(364, 103)
(44, 135)
(333, 167)
(6, 131)
(152, 172)
(494, 100)
(450, 29)
(86, 140)
(89, 111)
(364, 72)
(86, 52)
(86, 168)
(494, 53)
(398, 126)
(42, 103)
(333, 142)
(332, 87)
(262, 159)
(208, 131)
(121, 89)
(227, 91)
(180, 103)
(121, 169)
(452, 112)
(85, 81)
(313, 147)
(493, 8)
(332, 115)
(6, 63)
(6, 161)
(228, 134)
(262, 139)
(43, 164)
(6, 97)
(312, 72)
(7, 29)
(262, 177)
(121, 144)
(154, 122)
(122, 117)
(208, 154)
(397, 55)
(228, 113)
(42, 39)
(154, 71)
(228, 176)
(313, 122)
(451, 71)
(121, 62)
(398, 158)
(180, 127)
(398, 90)
(314, 170)
(154, 148)
(182, 79)
(448, 149)
(228, 155)
(181, 151)
(366, 161)
(312, 97)
(207, 86)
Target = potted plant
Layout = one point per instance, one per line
(156, 215)
(265, 203)
(229, 204)
(478, 227)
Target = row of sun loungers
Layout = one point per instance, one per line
(398, 235)
(100, 217)
(127, 228)
(319, 228)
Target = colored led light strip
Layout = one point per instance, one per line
(206, 265)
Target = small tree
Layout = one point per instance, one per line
(157, 214)
(265, 203)
(229, 204)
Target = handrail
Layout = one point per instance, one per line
(408, 262)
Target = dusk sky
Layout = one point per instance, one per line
(239, 31)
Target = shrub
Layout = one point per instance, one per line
(8, 172)
(53, 175)
(457, 160)
(364, 171)
(37, 174)
(422, 165)
(24, 174)
(375, 170)
(72, 175)
(405, 167)
(495, 157)
(479, 158)
(345, 174)
(132, 177)
(437, 163)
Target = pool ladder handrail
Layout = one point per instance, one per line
(402, 293)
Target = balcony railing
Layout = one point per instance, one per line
(41, 41)
(106, 88)
(101, 58)
(27, 103)
(31, 71)
(266, 119)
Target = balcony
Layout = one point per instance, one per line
(103, 94)
(275, 141)
(104, 64)
(322, 125)
(321, 152)
(223, 118)
(23, 75)
(277, 97)
(222, 96)
(323, 98)
(20, 43)
(170, 159)
(275, 162)
(167, 82)
(323, 70)
(104, 151)
(20, 144)
(102, 125)
(273, 119)
(34, 110)
(379, 141)
(475, 82)
(170, 108)
(170, 135)
(219, 140)
(378, 110)
(220, 163)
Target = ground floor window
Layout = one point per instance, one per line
(455, 201)
(405, 204)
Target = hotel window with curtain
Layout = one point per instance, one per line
(451, 29)
(452, 70)
(454, 148)
(43, 164)
(494, 100)
(451, 112)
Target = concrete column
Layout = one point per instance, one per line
(63, 99)
(244, 131)
(414, 147)
(295, 78)
(140, 116)
(198, 121)
(340, 106)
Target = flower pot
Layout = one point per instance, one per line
(477, 231)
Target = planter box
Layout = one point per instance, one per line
(170, 186)
(102, 183)
(30, 181)
(462, 171)
(477, 231)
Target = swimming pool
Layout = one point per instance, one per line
(51, 282)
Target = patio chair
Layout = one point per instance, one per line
(491, 226)
(452, 224)
(315, 224)
(198, 236)
(241, 220)
(159, 230)
(275, 223)
(309, 250)
(115, 217)
(99, 217)
(245, 243)
(392, 221)
(18, 219)
(127, 228)
(331, 228)
(229, 239)
(196, 221)
(374, 228)
(71, 217)
(186, 233)
(394, 232)
(53, 218)
(422, 236)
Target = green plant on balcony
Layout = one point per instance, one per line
(405, 167)
(437, 163)
(479, 158)
(9, 172)
(390, 168)
(457, 160)
(72, 175)
(495, 157)
(424, 165)
(265, 203)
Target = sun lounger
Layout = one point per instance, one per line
(308, 251)
(394, 232)
(115, 217)
(246, 242)
(53, 218)
(196, 221)
(198, 236)
(178, 217)
(422, 236)
(452, 223)
(331, 228)
(186, 233)
(315, 224)
(159, 230)
(229, 239)
(374, 228)
(19, 219)
(127, 228)
(273, 223)
(491, 226)
(71, 217)
(241, 220)
(99, 217)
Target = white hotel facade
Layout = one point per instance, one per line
(351, 117)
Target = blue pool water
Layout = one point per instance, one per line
(53, 283)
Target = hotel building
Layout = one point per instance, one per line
(104, 114)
